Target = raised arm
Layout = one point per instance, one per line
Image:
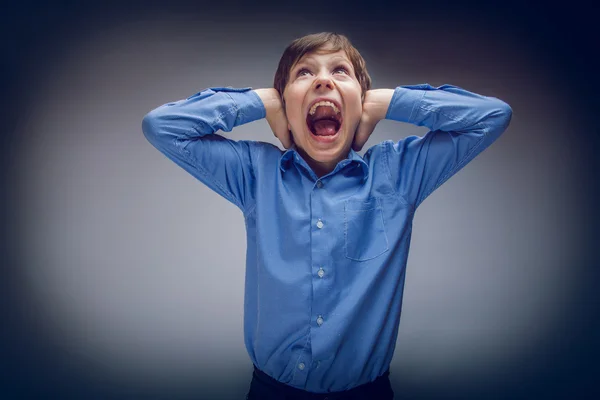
(184, 131)
(462, 124)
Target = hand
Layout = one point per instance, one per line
(375, 106)
(276, 115)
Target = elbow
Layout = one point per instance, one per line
(506, 110)
(151, 125)
(500, 115)
(506, 115)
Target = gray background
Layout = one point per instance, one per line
(125, 275)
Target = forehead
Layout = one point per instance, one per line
(324, 54)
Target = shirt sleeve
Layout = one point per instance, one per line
(184, 131)
(462, 124)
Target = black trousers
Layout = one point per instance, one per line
(263, 387)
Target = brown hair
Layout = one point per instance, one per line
(314, 42)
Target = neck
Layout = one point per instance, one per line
(319, 168)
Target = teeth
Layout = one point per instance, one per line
(313, 109)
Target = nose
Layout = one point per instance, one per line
(323, 82)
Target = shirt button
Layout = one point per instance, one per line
(301, 366)
(319, 184)
(320, 320)
(321, 272)
(319, 224)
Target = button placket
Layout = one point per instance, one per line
(321, 250)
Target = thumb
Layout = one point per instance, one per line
(363, 131)
(281, 131)
(285, 137)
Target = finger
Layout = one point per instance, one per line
(285, 137)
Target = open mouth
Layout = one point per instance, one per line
(324, 120)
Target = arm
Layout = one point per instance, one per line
(462, 124)
(184, 131)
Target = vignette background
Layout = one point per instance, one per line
(124, 275)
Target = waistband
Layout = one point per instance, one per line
(366, 389)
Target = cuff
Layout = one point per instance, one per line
(405, 102)
(250, 106)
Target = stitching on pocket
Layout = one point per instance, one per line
(372, 206)
(355, 205)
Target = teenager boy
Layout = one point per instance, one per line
(328, 231)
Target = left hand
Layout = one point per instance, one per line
(275, 115)
(375, 107)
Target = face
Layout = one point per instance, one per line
(329, 76)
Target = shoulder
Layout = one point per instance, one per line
(378, 151)
(264, 147)
(390, 148)
(263, 151)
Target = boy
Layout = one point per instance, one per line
(328, 231)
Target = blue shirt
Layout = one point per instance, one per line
(326, 258)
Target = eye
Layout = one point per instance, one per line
(341, 68)
(302, 71)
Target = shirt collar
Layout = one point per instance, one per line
(291, 154)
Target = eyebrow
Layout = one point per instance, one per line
(310, 60)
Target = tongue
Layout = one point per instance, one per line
(325, 127)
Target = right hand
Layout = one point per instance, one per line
(276, 115)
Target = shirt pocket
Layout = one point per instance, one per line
(364, 229)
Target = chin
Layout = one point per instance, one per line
(336, 152)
